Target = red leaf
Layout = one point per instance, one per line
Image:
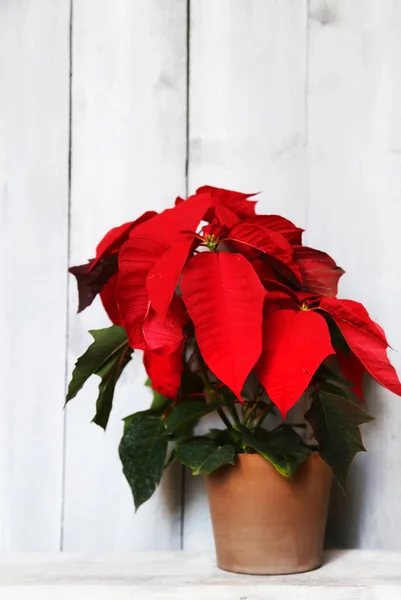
(164, 276)
(90, 281)
(353, 313)
(165, 332)
(320, 273)
(224, 215)
(115, 238)
(353, 370)
(224, 298)
(276, 300)
(214, 229)
(263, 269)
(365, 338)
(276, 223)
(183, 217)
(295, 343)
(235, 202)
(137, 256)
(274, 286)
(108, 296)
(252, 233)
(164, 372)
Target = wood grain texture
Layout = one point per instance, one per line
(246, 127)
(34, 75)
(346, 575)
(354, 212)
(297, 99)
(129, 150)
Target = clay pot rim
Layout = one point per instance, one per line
(242, 456)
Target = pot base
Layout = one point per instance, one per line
(241, 570)
(265, 524)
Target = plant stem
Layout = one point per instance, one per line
(208, 387)
(262, 417)
(223, 417)
(233, 413)
(245, 412)
(248, 421)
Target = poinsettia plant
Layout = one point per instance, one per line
(234, 316)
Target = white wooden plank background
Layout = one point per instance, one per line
(297, 98)
(354, 210)
(34, 81)
(128, 154)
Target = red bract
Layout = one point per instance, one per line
(108, 296)
(294, 346)
(365, 338)
(253, 233)
(172, 221)
(353, 370)
(228, 206)
(136, 258)
(222, 289)
(224, 298)
(165, 334)
(320, 273)
(93, 278)
(115, 238)
(163, 277)
(91, 281)
(164, 372)
(281, 225)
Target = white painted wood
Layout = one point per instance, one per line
(34, 76)
(354, 212)
(247, 127)
(129, 150)
(313, 121)
(347, 575)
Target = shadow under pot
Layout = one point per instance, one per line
(265, 524)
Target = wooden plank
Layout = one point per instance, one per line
(346, 575)
(354, 157)
(247, 127)
(129, 151)
(34, 109)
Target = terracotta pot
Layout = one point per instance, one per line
(265, 524)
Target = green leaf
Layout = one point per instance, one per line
(332, 388)
(324, 373)
(106, 357)
(143, 450)
(158, 407)
(204, 456)
(337, 338)
(334, 420)
(160, 402)
(283, 448)
(225, 436)
(186, 414)
(157, 411)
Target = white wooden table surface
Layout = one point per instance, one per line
(347, 575)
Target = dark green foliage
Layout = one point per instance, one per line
(334, 420)
(204, 456)
(106, 357)
(283, 447)
(143, 450)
